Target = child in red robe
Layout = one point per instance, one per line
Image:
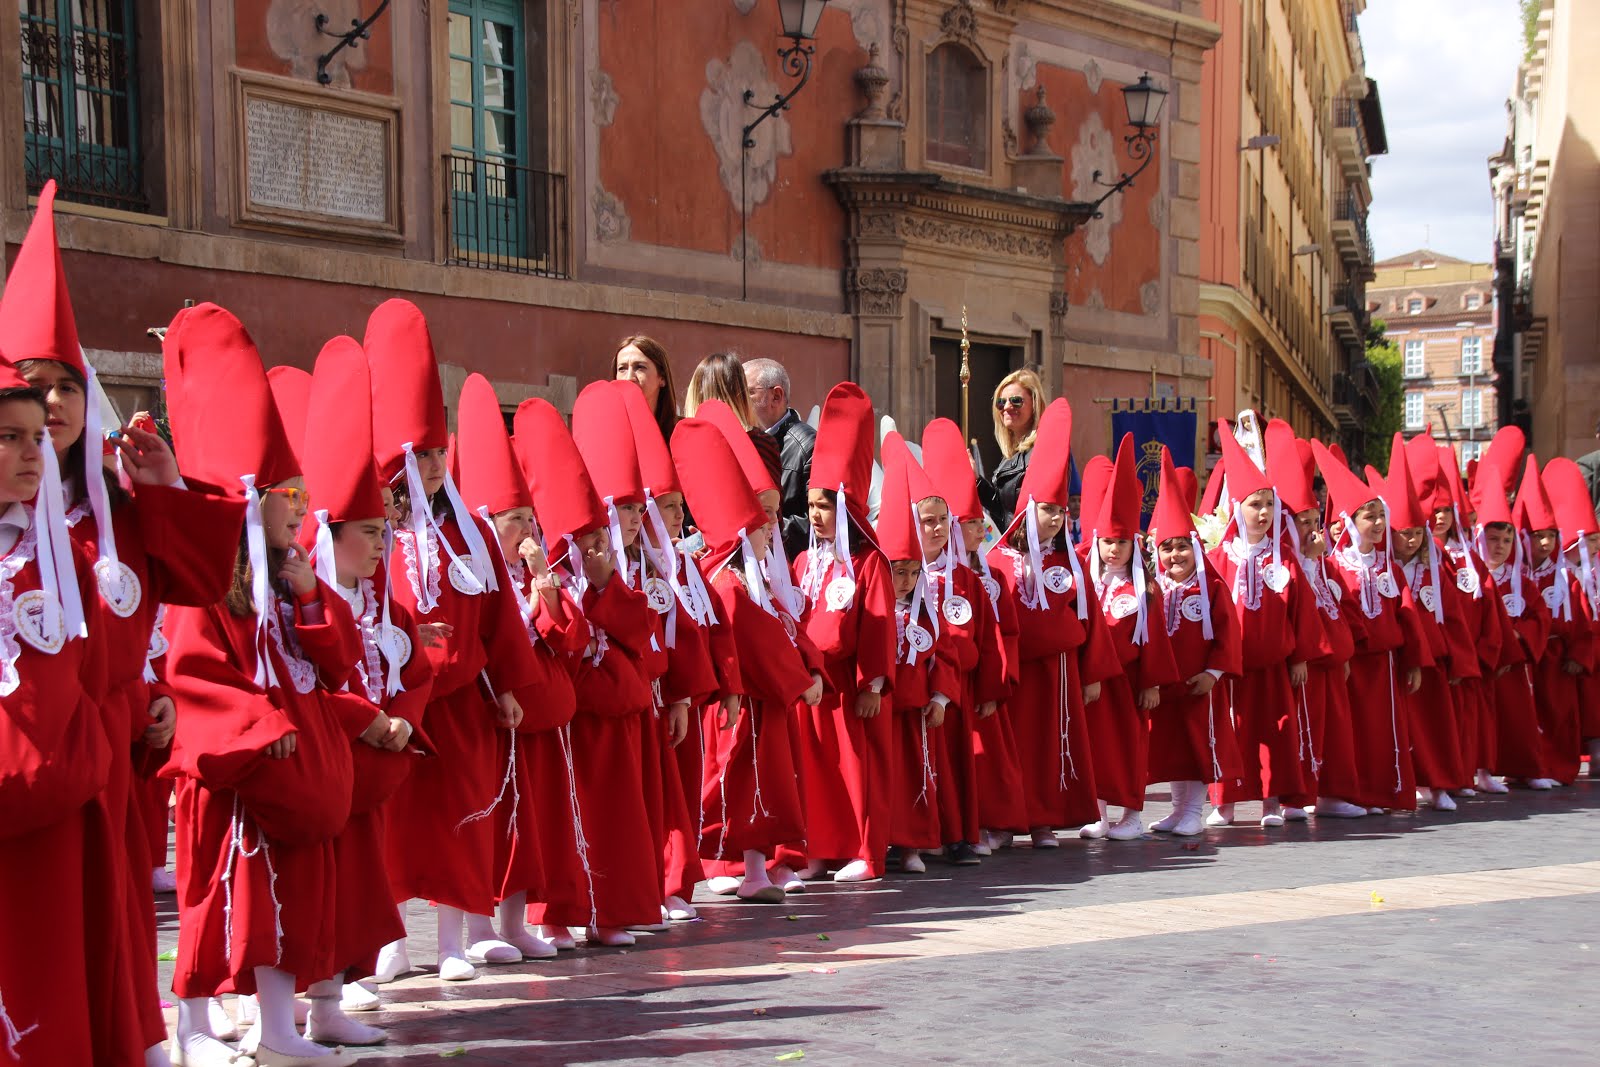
(1520, 752)
(1392, 649)
(1562, 722)
(1064, 652)
(446, 571)
(751, 800)
(845, 741)
(262, 753)
(1119, 731)
(1191, 737)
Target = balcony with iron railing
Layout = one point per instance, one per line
(1350, 233)
(1352, 36)
(1350, 138)
(504, 217)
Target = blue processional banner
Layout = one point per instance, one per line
(1151, 430)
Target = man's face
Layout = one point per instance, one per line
(769, 403)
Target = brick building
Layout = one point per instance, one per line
(546, 176)
(1439, 312)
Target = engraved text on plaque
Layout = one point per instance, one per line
(316, 161)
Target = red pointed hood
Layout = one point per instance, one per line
(564, 499)
(1244, 477)
(1400, 491)
(755, 468)
(337, 454)
(1494, 507)
(1534, 510)
(1568, 490)
(1124, 499)
(905, 485)
(1505, 454)
(714, 486)
(291, 392)
(1290, 471)
(1422, 460)
(407, 399)
(1173, 516)
(598, 421)
(490, 475)
(842, 455)
(1213, 493)
(1347, 493)
(949, 465)
(36, 320)
(1095, 482)
(656, 469)
(225, 425)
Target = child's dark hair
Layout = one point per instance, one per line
(73, 463)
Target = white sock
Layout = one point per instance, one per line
(275, 995)
(449, 920)
(329, 1022)
(481, 928)
(755, 869)
(193, 1033)
(156, 1056)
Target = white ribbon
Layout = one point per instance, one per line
(663, 558)
(841, 542)
(1077, 568)
(779, 578)
(1433, 566)
(618, 549)
(482, 570)
(392, 684)
(57, 576)
(1036, 558)
(322, 552)
(695, 594)
(93, 474)
(255, 536)
(1588, 578)
(1205, 593)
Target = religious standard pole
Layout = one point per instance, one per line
(966, 377)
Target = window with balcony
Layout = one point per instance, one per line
(1414, 411)
(1415, 363)
(1472, 355)
(958, 106)
(1471, 408)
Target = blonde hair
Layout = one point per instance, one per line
(1029, 381)
(720, 376)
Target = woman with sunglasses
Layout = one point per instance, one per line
(152, 543)
(1019, 401)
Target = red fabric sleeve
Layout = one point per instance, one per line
(333, 644)
(510, 662)
(771, 669)
(1226, 653)
(192, 539)
(875, 632)
(1158, 665)
(623, 613)
(1097, 659)
(1310, 642)
(990, 685)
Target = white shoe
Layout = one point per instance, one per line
(529, 944)
(456, 969)
(680, 910)
(855, 871)
(1487, 783)
(1221, 815)
(163, 881)
(911, 862)
(1128, 828)
(1093, 831)
(786, 880)
(1466, 792)
(204, 1051)
(723, 886)
(393, 961)
(493, 951)
(999, 840)
(1542, 783)
(1334, 808)
(1377, 811)
(1291, 814)
(224, 1028)
(1271, 820)
(559, 936)
(343, 1031)
(1180, 792)
(356, 997)
(1192, 823)
(1442, 801)
(982, 848)
(813, 870)
(609, 937)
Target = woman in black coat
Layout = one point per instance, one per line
(1018, 402)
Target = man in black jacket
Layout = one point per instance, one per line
(768, 385)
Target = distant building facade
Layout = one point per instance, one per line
(1439, 312)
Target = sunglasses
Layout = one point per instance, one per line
(297, 498)
(1013, 402)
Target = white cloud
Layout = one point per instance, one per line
(1444, 69)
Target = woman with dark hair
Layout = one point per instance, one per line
(643, 360)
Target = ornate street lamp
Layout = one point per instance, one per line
(800, 18)
(1144, 100)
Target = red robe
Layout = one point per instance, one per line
(844, 759)
(1057, 655)
(1509, 742)
(1330, 766)
(1191, 737)
(365, 916)
(1431, 710)
(980, 663)
(1002, 801)
(58, 855)
(179, 547)
(1277, 627)
(622, 886)
(1119, 731)
(1391, 642)
(1551, 748)
(750, 796)
(437, 849)
(920, 762)
(255, 832)
(1483, 617)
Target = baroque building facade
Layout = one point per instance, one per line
(544, 177)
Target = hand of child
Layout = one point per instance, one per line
(378, 732)
(510, 715)
(1413, 679)
(813, 696)
(677, 723)
(730, 711)
(434, 634)
(296, 572)
(399, 735)
(1149, 699)
(868, 704)
(1571, 666)
(986, 710)
(934, 714)
(164, 720)
(283, 747)
(1091, 692)
(1298, 675)
(1201, 683)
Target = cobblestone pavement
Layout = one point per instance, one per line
(1472, 937)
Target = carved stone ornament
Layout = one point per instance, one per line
(877, 290)
(960, 21)
(872, 79)
(981, 238)
(900, 39)
(1058, 311)
(1040, 118)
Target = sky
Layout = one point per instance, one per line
(1444, 69)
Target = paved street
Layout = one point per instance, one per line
(1471, 937)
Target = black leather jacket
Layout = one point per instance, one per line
(998, 492)
(796, 440)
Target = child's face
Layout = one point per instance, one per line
(933, 515)
(1498, 543)
(1256, 511)
(629, 519)
(357, 550)
(1544, 545)
(972, 534)
(905, 572)
(1177, 557)
(1444, 521)
(21, 452)
(1313, 541)
(1408, 542)
(1051, 518)
(390, 512)
(821, 509)
(761, 541)
(1593, 543)
(1116, 552)
(282, 513)
(671, 508)
(1371, 524)
(430, 464)
(513, 527)
(770, 501)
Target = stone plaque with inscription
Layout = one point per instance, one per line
(316, 161)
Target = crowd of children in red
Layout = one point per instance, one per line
(507, 674)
